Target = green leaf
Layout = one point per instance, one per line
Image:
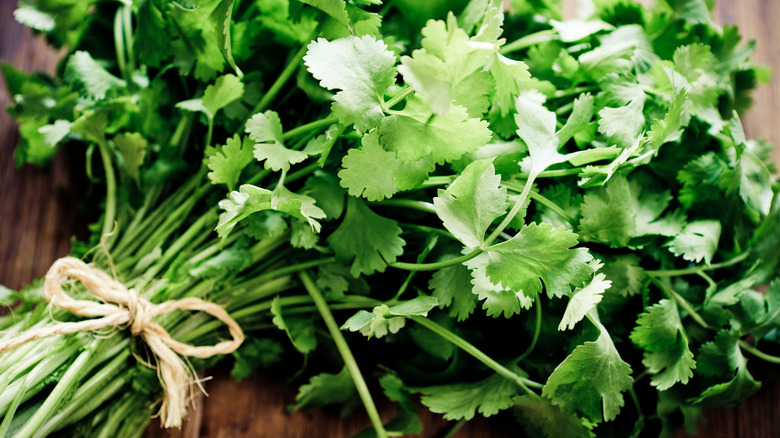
(226, 261)
(337, 9)
(266, 130)
(416, 133)
(362, 68)
(447, 57)
(228, 161)
(592, 377)
(132, 147)
(626, 275)
(366, 239)
(407, 421)
(8, 297)
(389, 319)
(83, 70)
(299, 329)
(461, 401)
(536, 253)
(325, 389)
(536, 127)
(452, 287)
(472, 202)
(255, 354)
(698, 240)
(247, 200)
(226, 89)
(583, 300)
(297, 205)
(542, 418)
(660, 333)
(370, 172)
(723, 357)
(54, 133)
(622, 125)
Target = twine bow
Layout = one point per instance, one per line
(123, 307)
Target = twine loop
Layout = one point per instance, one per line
(120, 307)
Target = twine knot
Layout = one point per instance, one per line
(121, 307)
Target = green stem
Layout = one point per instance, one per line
(574, 91)
(311, 126)
(423, 206)
(283, 77)
(464, 345)
(680, 301)
(346, 354)
(127, 28)
(537, 331)
(435, 266)
(542, 200)
(697, 269)
(108, 221)
(209, 131)
(59, 393)
(512, 213)
(529, 40)
(397, 98)
(758, 353)
(119, 46)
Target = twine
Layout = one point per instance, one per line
(121, 307)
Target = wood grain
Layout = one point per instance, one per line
(38, 216)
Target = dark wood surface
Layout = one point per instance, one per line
(38, 216)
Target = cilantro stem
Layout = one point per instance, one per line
(436, 181)
(697, 269)
(537, 331)
(464, 345)
(412, 204)
(119, 46)
(758, 353)
(574, 91)
(397, 98)
(453, 429)
(346, 354)
(283, 77)
(681, 301)
(435, 266)
(127, 28)
(59, 393)
(544, 201)
(110, 215)
(311, 126)
(512, 213)
(529, 40)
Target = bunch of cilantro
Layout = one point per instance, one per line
(481, 210)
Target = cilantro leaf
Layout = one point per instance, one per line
(370, 172)
(461, 401)
(698, 240)
(591, 377)
(299, 329)
(660, 333)
(366, 239)
(238, 205)
(407, 421)
(448, 56)
(416, 133)
(543, 418)
(98, 83)
(362, 68)
(226, 89)
(266, 130)
(297, 205)
(229, 160)
(132, 148)
(583, 300)
(452, 287)
(723, 357)
(536, 253)
(472, 202)
(325, 389)
(386, 319)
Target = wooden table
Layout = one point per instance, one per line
(38, 215)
